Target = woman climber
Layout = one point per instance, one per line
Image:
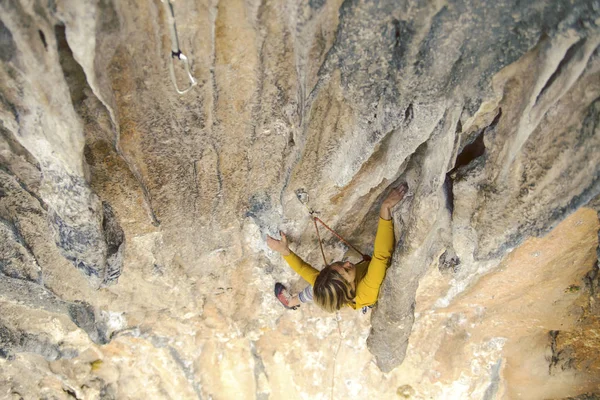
(343, 283)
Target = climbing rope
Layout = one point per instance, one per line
(337, 319)
(176, 51)
(302, 197)
(315, 219)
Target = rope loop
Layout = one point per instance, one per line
(303, 199)
(176, 52)
(315, 219)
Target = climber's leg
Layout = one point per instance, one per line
(285, 298)
(306, 296)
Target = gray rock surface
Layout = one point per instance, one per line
(130, 213)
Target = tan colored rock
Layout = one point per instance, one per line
(132, 219)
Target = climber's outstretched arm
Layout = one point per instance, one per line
(302, 268)
(367, 289)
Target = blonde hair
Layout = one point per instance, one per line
(331, 291)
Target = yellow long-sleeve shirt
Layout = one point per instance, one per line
(369, 276)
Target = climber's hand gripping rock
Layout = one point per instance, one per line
(391, 200)
(280, 246)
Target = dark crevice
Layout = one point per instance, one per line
(71, 393)
(459, 127)
(555, 356)
(449, 189)
(408, 114)
(402, 32)
(396, 24)
(496, 120)
(591, 279)
(476, 148)
(115, 243)
(43, 39)
(449, 262)
(569, 55)
(468, 154)
(73, 72)
(111, 227)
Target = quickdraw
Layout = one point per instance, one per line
(176, 51)
(303, 198)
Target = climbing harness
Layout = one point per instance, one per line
(176, 51)
(303, 198)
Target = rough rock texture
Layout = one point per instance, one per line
(132, 219)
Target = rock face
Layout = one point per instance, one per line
(132, 219)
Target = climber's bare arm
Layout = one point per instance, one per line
(391, 200)
(280, 246)
(303, 269)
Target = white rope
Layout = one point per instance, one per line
(176, 51)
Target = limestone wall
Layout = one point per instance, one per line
(132, 218)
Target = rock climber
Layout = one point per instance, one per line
(343, 283)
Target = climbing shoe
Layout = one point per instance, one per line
(283, 296)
